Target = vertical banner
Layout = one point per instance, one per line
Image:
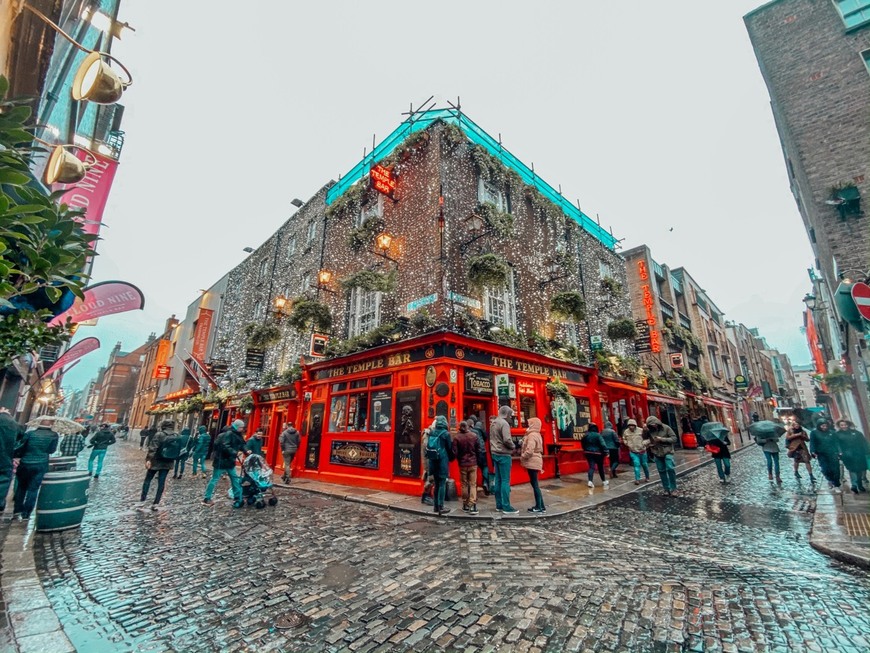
(407, 434)
(201, 333)
(92, 192)
(160, 359)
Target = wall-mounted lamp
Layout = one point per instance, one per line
(476, 226)
(555, 272)
(383, 242)
(324, 277)
(64, 167)
(282, 306)
(94, 81)
(297, 202)
(248, 249)
(863, 275)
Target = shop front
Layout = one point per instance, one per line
(364, 423)
(666, 408)
(620, 402)
(273, 408)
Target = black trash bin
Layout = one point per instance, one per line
(62, 500)
(61, 463)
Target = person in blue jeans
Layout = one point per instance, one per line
(501, 446)
(33, 450)
(227, 447)
(662, 439)
(439, 450)
(99, 445)
(637, 446)
(771, 455)
(200, 450)
(181, 461)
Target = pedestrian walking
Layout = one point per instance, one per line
(156, 462)
(439, 452)
(227, 447)
(721, 454)
(254, 445)
(633, 438)
(289, 442)
(854, 452)
(532, 458)
(145, 436)
(10, 432)
(71, 444)
(502, 446)
(186, 442)
(770, 447)
(796, 439)
(33, 449)
(428, 495)
(201, 443)
(611, 441)
(825, 447)
(467, 453)
(594, 449)
(661, 445)
(99, 445)
(486, 476)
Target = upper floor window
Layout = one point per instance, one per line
(500, 305)
(305, 282)
(605, 270)
(853, 12)
(866, 56)
(291, 246)
(490, 193)
(264, 268)
(374, 208)
(364, 311)
(312, 233)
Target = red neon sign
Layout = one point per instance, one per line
(648, 303)
(383, 180)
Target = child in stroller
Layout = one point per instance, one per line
(257, 482)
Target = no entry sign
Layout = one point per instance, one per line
(861, 295)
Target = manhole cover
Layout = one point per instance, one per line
(292, 619)
(339, 575)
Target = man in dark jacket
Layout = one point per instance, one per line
(226, 450)
(145, 436)
(825, 447)
(611, 441)
(10, 431)
(501, 445)
(99, 446)
(468, 453)
(289, 441)
(662, 439)
(156, 464)
(34, 450)
(438, 443)
(482, 463)
(594, 449)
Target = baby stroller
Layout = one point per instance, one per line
(257, 482)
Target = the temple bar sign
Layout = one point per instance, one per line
(383, 180)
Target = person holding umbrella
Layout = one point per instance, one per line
(716, 437)
(825, 447)
(766, 434)
(853, 446)
(796, 442)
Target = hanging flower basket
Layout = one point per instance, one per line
(837, 380)
(500, 223)
(308, 314)
(371, 280)
(622, 329)
(488, 271)
(557, 389)
(262, 336)
(363, 236)
(611, 286)
(568, 305)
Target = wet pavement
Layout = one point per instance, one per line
(719, 568)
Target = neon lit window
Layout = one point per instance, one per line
(854, 12)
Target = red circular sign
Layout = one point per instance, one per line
(861, 296)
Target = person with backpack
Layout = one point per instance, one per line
(486, 476)
(439, 452)
(502, 445)
(637, 446)
(199, 452)
(186, 445)
(289, 442)
(227, 447)
(163, 449)
(594, 449)
(662, 439)
(611, 441)
(467, 452)
(99, 445)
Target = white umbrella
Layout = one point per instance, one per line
(60, 425)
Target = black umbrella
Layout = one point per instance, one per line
(715, 433)
(766, 430)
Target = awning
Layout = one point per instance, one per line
(710, 401)
(619, 385)
(663, 399)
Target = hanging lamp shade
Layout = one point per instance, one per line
(64, 167)
(96, 82)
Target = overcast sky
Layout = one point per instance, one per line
(653, 114)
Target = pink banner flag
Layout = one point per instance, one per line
(75, 352)
(104, 298)
(92, 192)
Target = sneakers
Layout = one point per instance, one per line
(473, 510)
(510, 511)
(778, 480)
(606, 484)
(96, 476)
(637, 482)
(207, 502)
(727, 478)
(466, 509)
(591, 484)
(429, 501)
(238, 504)
(838, 490)
(154, 507)
(537, 510)
(443, 511)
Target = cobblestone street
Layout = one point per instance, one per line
(719, 568)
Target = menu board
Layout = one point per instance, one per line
(381, 411)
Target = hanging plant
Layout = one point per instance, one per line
(363, 236)
(308, 314)
(500, 223)
(262, 336)
(568, 305)
(269, 378)
(837, 381)
(371, 280)
(558, 390)
(622, 329)
(453, 135)
(422, 321)
(290, 375)
(664, 386)
(194, 404)
(488, 271)
(611, 286)
(246, 405)
(490, 168)
(351, 198)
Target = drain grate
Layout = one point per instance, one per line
(289, 620)
(857, 525)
